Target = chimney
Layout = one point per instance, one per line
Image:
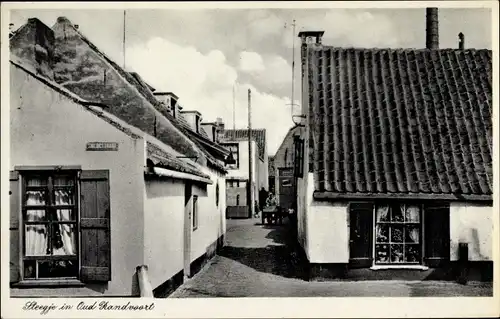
(432, 29)
(461, 41)
(307, 37)
(36, 47)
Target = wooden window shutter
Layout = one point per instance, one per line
(95, 226)
(15, 205)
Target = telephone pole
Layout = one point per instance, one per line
(250, 157)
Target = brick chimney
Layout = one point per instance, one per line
(432, 28)
(34, 46)
(308, 37)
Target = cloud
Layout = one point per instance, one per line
(204, 82)
(269, 71)
(251, 62)
(350, 28)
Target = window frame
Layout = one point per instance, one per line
(420, 244)
(50, 172)
(194, 223)
(236, 154)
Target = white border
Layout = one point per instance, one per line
(256, 307)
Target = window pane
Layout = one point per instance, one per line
(412, 234)
(64, 180)
(64, 197)
(412, 214)
(64, 242)
(382, 253)
(382, 213)
(382, 233)
(36, 180)
(412, 253)
(60, 268)
(34, 215)
(397, 213)
(397, 234)
(65, 215)
(36, 243)
(397, 253)
(36, 197)
(30, 269)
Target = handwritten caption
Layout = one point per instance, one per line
(44, 309)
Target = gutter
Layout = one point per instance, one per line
(163, 172)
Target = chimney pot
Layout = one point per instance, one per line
(461, 41)
(432, 28)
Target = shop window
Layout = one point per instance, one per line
(398, 234)
(50, 225)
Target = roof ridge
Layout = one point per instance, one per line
(376, 49)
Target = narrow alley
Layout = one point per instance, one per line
(258, 261)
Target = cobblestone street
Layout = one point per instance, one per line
(256, 262)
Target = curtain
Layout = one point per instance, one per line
(414, 234)
(64, 233)
(36, 235)
(412, 214)
(382, 213)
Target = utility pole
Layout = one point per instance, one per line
(250, 157)
(124, 26)
(234, 108)
(293, 66)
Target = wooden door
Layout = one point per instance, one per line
(187, 228)
(436, 234)
(360, 234)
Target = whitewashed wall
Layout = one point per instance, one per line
(46, 128)
(163, 229)
(473, 224)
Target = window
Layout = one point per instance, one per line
(195, 212)
(238, 200)
(234, 149)
(50, 222)
(60, 224)
(398, 234)
(217, 194)
(285, 162)
(197, 120)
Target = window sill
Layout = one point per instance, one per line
(411, 267)
(49, 283)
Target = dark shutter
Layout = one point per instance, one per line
(360, 234)
(95, 226)
(15, 205)
(437, 234)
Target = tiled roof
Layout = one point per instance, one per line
(165, 160)
(165, 134)
(401, 121)
(258, 135)
(159, 156)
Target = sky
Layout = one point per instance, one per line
(204, 55)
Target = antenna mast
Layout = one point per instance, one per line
(234, 108)
(293, 66)
(124, 26)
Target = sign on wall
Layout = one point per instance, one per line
(102, 146)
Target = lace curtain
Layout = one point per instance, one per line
(37, 236)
